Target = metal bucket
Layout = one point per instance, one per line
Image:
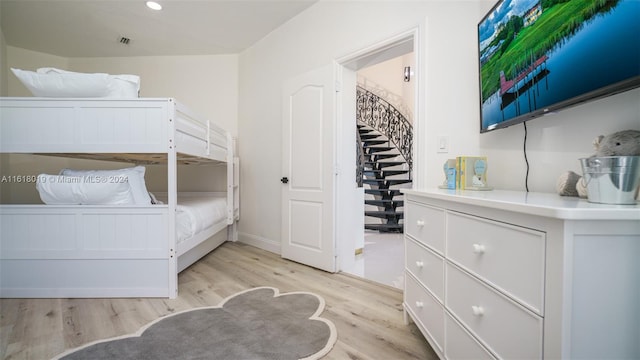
(611, 179)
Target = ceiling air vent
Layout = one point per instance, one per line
(124, 40)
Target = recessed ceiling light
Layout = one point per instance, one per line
(154, 5)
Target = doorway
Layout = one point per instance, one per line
(381, 69)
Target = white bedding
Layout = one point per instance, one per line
(94, 187)
(195, 213)
(81, 190)
(52, 82)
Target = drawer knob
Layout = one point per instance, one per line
(478, 248)
(419, 304)
(420, 264)
(477, 310)
(420, 223)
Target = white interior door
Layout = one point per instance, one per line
(308, 169)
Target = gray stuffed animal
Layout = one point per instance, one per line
(621, 143)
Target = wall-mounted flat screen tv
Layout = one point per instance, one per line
(539, 56)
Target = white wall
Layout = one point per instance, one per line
(555, 142)
(447, 71)
(207, 84)
(4, 70)
(389, 75)
(330, 30)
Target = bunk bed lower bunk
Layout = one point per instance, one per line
(133, 250)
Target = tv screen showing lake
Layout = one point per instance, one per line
(543, 57)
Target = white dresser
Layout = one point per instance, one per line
(515, 275)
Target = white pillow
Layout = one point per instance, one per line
(52, 82)
(124, 86)
(64, 85)
(133, 177)
(118, 86)
(81, 190)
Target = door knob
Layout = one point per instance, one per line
(284, 180)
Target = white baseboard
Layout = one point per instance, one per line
(259, 242)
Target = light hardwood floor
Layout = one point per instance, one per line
(368, 316)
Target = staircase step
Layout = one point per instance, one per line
(377, 157)
(367, 136)
(389, 214)
(383, 192)
(384, 203)
(394, 228)
(384, 173)
(388, 182)
(373, 141)
(383, 164)
(377, 149)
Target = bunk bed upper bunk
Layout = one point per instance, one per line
(127, 127)
(137, 253)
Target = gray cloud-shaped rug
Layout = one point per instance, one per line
(257, 323)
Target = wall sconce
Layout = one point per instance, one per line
(407, 74)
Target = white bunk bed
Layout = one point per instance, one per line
(106, 250)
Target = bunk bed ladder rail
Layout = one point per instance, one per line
(230, 182)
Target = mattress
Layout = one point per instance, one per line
(195, 213)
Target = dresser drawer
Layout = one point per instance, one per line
(510, 258)
(426, 266)
(425, 224)
(459, 344)
(425, 311)
(506, 328)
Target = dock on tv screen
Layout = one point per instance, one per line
(537, 56)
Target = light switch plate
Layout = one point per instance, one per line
(443, 144)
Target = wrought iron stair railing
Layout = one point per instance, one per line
(384, 157)
(379, 114)
(382, 173)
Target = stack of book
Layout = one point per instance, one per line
(466, 173)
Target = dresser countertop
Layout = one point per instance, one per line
(532, 203)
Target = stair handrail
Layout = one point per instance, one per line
(373, 110)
